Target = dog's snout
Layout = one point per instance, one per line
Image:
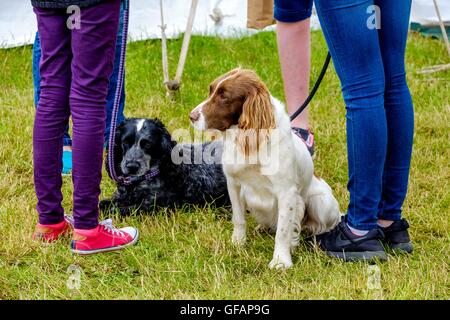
(194, 115)
(132, 167)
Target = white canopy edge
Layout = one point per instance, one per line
(18, 23)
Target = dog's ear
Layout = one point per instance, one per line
(166, 143)
(257, 118)
(257, 110)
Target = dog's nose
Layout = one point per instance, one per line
(132, 167)
(194, 115)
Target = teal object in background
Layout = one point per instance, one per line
(431, 31)
(67, 162)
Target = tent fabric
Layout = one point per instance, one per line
(424, 13)
(18, 23)
(425, 20)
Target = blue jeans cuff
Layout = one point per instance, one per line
(67, 141)
(361, 226)
(284, 15)
(393, 216)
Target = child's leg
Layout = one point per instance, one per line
(67, 141)
(93, 47)
(52, 113)
(35, 68)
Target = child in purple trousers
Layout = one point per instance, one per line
(77, 58)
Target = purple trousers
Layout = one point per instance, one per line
(75, 68)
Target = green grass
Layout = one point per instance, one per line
(188, 254)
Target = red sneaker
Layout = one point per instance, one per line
(51, 232)
(105, 237)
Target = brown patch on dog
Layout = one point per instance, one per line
(240, 98)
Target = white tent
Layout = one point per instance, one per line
(423, 12)
(18, 25)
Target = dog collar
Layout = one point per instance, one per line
(128, 181)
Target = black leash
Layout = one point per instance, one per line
(314, 90)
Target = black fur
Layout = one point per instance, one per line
(176, 184)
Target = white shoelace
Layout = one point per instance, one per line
(69, 219)
(107, 224)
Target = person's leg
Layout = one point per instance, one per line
(52, 113)
(398, 105)
(67, 141)
(93, 47)
(36, 57)
(357, 58)
(400, 123)
(113, 82)
(293, 39)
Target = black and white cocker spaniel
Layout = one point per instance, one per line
(155, 171)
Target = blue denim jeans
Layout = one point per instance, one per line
(67, 141)
(292, 11)
(380, 116)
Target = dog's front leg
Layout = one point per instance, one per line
(287, 211)
(239, 223)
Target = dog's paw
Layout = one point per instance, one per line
(280, 263)
(238, 238)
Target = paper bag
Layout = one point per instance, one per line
(259, 14)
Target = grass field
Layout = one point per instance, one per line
(188, 254)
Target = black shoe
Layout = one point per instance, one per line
(343, 244)
(396, 236)
(307, 137)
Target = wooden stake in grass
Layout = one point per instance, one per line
(164, 45)
(441, 24)
(439, 67)
(173, 85)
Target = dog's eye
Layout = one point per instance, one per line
(128, 141)
(144, 144)
(221, 93)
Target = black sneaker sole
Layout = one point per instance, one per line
(358, 256)
(405, 247)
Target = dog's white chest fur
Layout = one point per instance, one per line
(256, 193)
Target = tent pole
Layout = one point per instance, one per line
(165, 63)
(186, 39)
(441, 23)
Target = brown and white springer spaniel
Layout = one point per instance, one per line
(268, 168)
